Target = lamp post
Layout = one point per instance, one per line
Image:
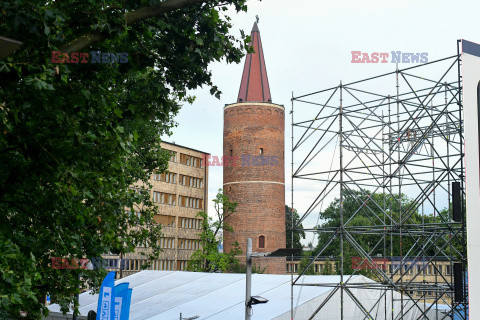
(249, 300)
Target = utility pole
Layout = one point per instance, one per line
(249, 300)
(77, 296)
(121, 264)
(248, 293)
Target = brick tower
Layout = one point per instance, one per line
(253, 135)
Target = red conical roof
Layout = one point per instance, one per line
(254, 86)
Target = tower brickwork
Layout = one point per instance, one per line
(254, 130)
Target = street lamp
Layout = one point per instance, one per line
(256, 300)
(249, 300)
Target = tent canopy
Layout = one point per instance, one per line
(218, 296)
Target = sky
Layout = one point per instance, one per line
(307, 46)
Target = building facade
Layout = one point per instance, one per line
(254, 130)
(425, 274)
(179, 195)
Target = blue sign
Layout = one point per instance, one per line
(120, 297)
(126, 306)
(105, 308)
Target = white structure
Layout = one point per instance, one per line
(163, 295)
(471, 109)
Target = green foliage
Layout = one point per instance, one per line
(297, 233)
(208, 258)
(242, 268)
(302, 268)
(327, 269)
(18, 274)
(362, 208)
(74, 137)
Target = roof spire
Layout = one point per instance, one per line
(254, 85)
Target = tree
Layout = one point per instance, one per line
(302, 268)
(75, 136)
(358, 213)
(327, 269)
(208, 258)
(297, 233)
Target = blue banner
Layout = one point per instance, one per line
(120, 297)
(105, 307)
(126, 306)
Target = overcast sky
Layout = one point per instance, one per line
(307, 46)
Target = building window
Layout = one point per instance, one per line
(173, 155)
(167, 243)
(190, 223)
(439, 269)
(190, 202)
(261, 242)
(164, 198)
(169, 177)
(182, 265)
(448, 270)
(190, 160)
(231, 152)
(261, 150)
(191, 181)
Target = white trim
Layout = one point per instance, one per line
(282, 183)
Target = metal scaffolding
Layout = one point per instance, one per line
(390, 146)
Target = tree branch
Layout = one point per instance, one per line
(130, 18)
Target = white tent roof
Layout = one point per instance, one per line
(217, 296)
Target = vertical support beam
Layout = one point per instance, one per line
(291, 261)
(390, 192)
(384, 203)
(340, 133)
(399, 192)
(248, 291)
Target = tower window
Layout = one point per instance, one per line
(231, 152)
(261, 242)
(261, 150)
